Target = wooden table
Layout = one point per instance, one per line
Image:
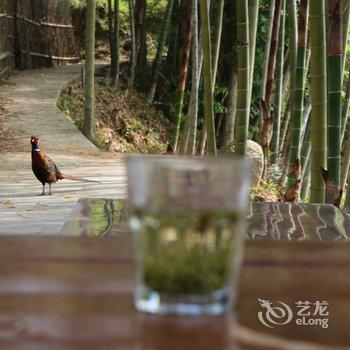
(74, 292)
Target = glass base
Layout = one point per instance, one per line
(215, 303)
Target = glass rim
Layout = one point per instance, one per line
(225, 159)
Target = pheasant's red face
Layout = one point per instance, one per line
(34, 140)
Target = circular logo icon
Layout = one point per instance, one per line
(274, 315)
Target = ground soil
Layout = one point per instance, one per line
(124, 122)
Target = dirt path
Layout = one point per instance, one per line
(31, 110)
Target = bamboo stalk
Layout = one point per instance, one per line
(183, 72)
(267, 48)
(267, 127)
(159, 54)
(346, 161)
(260, 120)
(345, 111)
(242, 116)
(335, 75)
(305, 150)
(228, 136)
(217, 40)
(275, 145)
(318, 98)
(293, 51)
(347, 197)
(345, 28)
(306, 179)
(197, 60)
(253, 13)
(285, 126)
(298, 93)
(216, 52)
(306, 118)
(208, 79)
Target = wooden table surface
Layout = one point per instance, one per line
(74, 292)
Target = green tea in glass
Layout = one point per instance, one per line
(186, 219)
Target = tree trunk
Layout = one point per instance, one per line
(319, 99)
(112, 48)
(208, 79)
(173, 35)
(88, 127)
(186, 45)
(242, 115)
(116, 71)
(335, 77)
(133, 44)
(113, 34)
(140, 28)
(158, 59)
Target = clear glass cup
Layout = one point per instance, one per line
(186, 219)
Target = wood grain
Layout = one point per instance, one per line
(76, 293)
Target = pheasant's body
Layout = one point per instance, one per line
(45, 169)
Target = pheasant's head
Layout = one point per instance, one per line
(34, 142)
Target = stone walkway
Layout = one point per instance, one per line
(32, 110)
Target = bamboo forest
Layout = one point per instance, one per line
(274, 72)
(265, 79)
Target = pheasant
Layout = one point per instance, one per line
(45, 169)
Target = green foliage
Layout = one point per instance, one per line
(100, 140)
(66, 103)
(155, 10)
(263, 23)
(219, 96)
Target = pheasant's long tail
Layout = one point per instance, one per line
(75, 178)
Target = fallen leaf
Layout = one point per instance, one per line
(69, 196)
(31, 209)
(8, 203)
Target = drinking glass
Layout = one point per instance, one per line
(186, 219)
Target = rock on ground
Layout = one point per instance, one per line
(256, 155)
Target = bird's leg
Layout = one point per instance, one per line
(43, 191)
(50, 193)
